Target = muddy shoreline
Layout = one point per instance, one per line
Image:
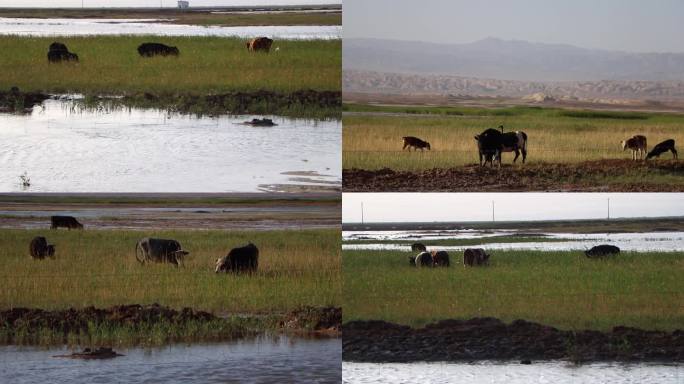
(587, 176)
(28, 326)
(491, 339)
(300, 103)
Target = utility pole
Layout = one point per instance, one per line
(493, 211)
(609, 208)
(362, 212)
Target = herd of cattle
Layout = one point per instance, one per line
(493, 142)
(58, 52)
(240, 259)
(479, 257)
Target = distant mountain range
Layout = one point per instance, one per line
(494, 58)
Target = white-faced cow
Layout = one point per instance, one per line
(475, 256)
(601, 251)
(160, 251)
(660, 148)
(491, 143)
(637, 144)
(423, 259)
(241, 259)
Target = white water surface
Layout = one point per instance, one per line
(63, 148)
(87, 27)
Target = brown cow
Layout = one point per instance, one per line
(416, 143)
(637, 144)
(418, 247)
(667, 145)
(259, 44)
(68, 222)
(475, 256)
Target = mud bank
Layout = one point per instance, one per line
(491, 339)
(154, 324)
(301, 103)
(15, 101)
(590, 176)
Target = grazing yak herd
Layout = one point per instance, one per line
(473, 257)
(493, 142)
(238, 260)
(58, 52)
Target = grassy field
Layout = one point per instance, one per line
(99, 268)
(562, 289)
(554, 135)
(111, 65)
(178, 17)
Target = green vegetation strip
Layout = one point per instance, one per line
(373, 142)
(211, 74)
(561, 289)
(99, 268)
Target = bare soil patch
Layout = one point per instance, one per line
(613, 175)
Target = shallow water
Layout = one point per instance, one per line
(635, 242)
(512, 373)
(63, 148)
(81, 27)
(266, 360)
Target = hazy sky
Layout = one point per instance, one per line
(627, 25)
(152, 3)
(428, 207)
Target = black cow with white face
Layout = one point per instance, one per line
(491, 143)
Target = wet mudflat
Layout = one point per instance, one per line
(264, 359)
(589, 176)
(557, 372)
(65, 148)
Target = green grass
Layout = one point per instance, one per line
(111, 65)
(562, 289)
(99, 268)
(554, 135)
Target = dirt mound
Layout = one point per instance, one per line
(77, 320)
(16, 101)
(313, 319)
(490, 338)
(600, 175)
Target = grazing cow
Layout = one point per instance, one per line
(159, 251)
(491, 143)
(637, 144)
(440, 258)
(424, 259)
(153, 49)
(475, 256)
(58, 52)
(602, 250)
(415, 143)
(241, 259)
(418, 247)
(259, 44)
(40, 249)
(68, 222)
(667, 145)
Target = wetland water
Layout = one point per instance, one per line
(82, 27)
(636, 242)
(513, 373)
(63, 147)
(264, 360)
